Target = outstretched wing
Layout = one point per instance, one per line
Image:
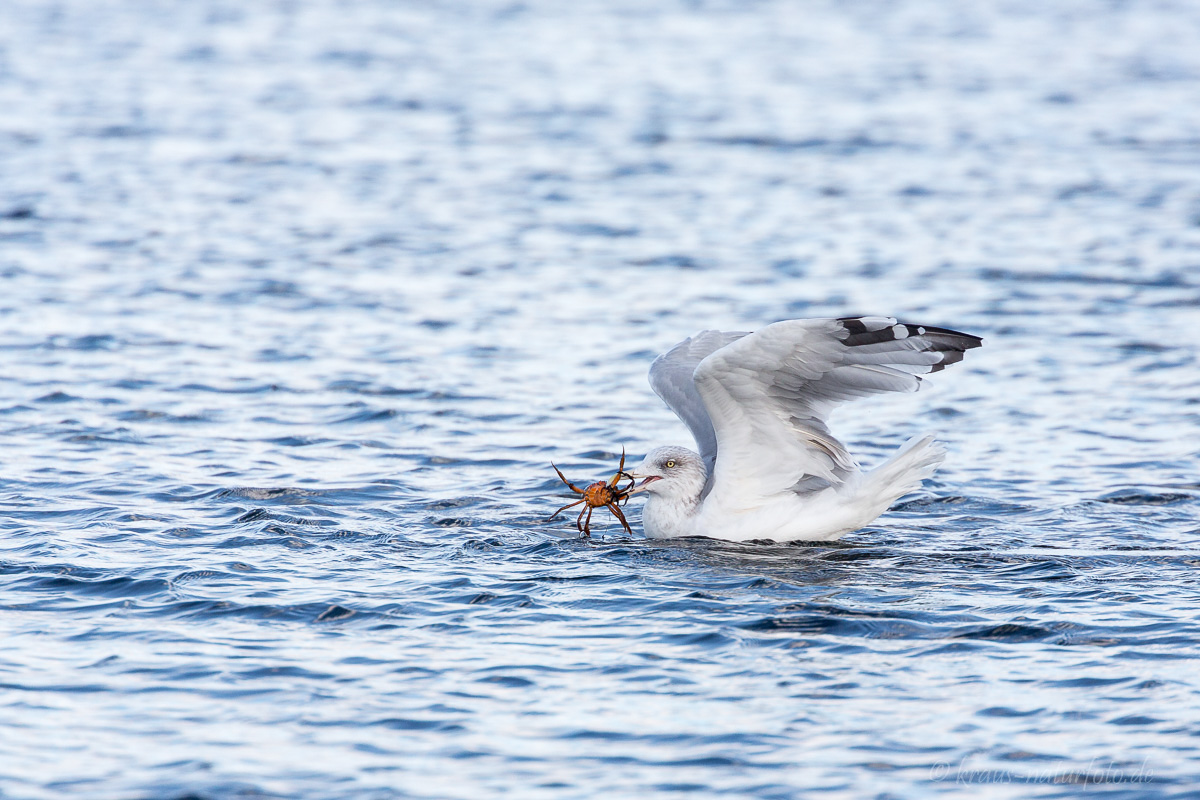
(671, 379)
(768, 394)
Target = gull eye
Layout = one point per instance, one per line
(670, 464)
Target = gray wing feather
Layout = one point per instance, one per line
(671, 379)
(768, 394)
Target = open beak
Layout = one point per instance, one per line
(643, 482)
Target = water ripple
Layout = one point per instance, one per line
(299, 302)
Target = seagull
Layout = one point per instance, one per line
(757, 404)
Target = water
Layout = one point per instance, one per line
(299, 300)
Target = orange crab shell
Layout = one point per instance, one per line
(598, 494)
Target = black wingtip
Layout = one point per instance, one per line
(875, 330)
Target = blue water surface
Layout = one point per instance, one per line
(298, 300)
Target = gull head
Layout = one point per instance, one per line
(671, 472)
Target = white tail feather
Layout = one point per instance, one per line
(915, 461)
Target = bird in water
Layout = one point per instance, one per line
(757, 405)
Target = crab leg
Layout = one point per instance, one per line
(621, 473)
(564, 508)
(624, 523)
(587, 523)
(563, 478)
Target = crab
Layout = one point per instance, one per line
(601, 494)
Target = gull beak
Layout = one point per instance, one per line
(643, 481)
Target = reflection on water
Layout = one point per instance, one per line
(300, 300)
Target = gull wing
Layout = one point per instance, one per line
(769, 393)
(671, 379)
